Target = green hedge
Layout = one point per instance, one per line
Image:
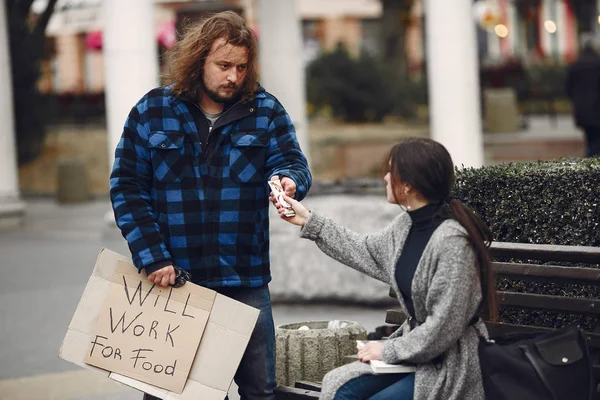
(556, 202)
(356, 89)
(552, 202)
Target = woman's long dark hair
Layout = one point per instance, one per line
(427, 167)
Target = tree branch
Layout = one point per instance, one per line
(40, 27)
(23, 7)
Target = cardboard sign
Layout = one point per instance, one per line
(222, 344)
(147, 332)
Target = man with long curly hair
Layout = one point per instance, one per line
(189, 183)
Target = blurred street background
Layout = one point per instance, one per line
(486, 78)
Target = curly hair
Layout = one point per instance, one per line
(185, 61)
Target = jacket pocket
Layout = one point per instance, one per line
(167, 154)
(247, 156)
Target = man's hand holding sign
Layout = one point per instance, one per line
(163, 277)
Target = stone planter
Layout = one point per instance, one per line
(501, 114)
(307, 355)
(73, 186)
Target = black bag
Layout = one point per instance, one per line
(549, 366)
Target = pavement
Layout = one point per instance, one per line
(45, 266)
(544, 138)
(540, 127)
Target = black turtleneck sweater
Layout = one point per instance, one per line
(425, 221)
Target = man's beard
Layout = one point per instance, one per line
(216, 97)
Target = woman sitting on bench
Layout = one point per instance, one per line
(435, 255)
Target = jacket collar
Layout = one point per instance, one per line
(231, 113)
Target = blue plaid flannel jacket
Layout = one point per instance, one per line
(206, 215)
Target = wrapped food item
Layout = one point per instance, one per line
(278, 192)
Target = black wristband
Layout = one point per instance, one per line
(157, 265)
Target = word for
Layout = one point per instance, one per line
(115, 353)
(138, 293)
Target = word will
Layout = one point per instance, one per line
(138, 293)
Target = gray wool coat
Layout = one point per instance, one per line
(446, 294)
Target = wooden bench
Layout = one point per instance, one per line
(516, 263)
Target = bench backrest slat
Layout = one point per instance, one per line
(546, 252)
(548, 302)
(546, 271)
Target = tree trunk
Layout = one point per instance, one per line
(395, 21)
(26, 48)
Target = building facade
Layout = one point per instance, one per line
(530, 30)
(75, 64)
(539, 29)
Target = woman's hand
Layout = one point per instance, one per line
(370, 351)
(302, 214)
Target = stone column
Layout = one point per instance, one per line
(281, 65)
(130, 62)
(554, 15)
(12, 209)
(454, 80)
(595, 27)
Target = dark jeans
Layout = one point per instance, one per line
(378, 387)
(592, 140)
(255, 376)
